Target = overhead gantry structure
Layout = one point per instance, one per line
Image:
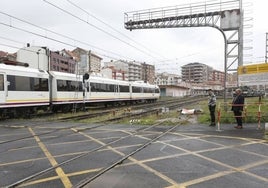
(224, 15)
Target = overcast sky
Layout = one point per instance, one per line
(167, 49)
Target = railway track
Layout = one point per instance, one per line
(153, 109)
(78, 129)
(135, 111)
(86, 181)
(105, 169)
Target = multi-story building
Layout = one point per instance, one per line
(87, 61)
(134, 71)
(217, 76)
(167, 79)
(195, 72)
(148, 73)
(119, 69)
(95, 62)
(43, 59)
(62, 61)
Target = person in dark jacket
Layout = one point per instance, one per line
(237, 107)
(212, 107)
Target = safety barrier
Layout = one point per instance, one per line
(250, 110)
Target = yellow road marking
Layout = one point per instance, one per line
(57, 177)
(173, 183)
(167, 179)
(206, 178)
(65, 180)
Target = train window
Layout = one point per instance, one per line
(69, 85)
(102, 87)
(18, 83)
(137, 89)
(39, 84)
(146, 90)
(61, 85)
(80, 87)
(22, 83)
(1, 82)
(11, 80)
(123, 88)
(93, 87)
(112, 88)
(99, 87)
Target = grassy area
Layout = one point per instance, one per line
(250, 113)
(169, 118)
(174, 117)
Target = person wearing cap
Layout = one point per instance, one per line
(237, 107)
(212, 107)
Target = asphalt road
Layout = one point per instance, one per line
(191, 156)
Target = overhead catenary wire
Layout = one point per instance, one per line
(159, 61)
(50, 38)
(19, 48)
(98, 28)
(58, 34)
(112, 28)
(156, 62)
(12, 40)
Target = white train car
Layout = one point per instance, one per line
(66, 91)
(107, 91)
(110, 91)
(22, 90)
(141, 92)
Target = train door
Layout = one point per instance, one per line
(2, 88)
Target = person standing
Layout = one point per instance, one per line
(237, 107)
(212, 107)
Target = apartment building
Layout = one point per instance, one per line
(196, 72)
(134, 71)
(61, 61)
(87, 61)
(148, 73)
(118, 69)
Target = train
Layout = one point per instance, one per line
(25, 91)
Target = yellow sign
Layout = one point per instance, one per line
(253, 69)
